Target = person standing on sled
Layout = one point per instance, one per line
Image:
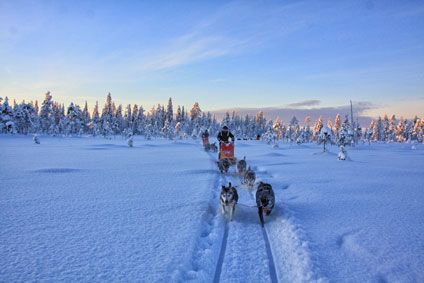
(224, 136)
(205, 134)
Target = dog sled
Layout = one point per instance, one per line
(206, 144)
(227, 152)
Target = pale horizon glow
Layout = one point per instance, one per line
(224, 55)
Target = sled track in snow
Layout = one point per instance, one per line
(221, 256)
(223, 247)
(272, 271)
(213, 211)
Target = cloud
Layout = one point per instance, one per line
(222, 34)
(285, 114)
(189, 49)
(305, 103)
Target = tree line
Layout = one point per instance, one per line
(53, 119)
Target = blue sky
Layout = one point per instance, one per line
(222, 54)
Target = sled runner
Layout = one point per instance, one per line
(227, 152)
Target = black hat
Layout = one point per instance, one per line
(225, 128)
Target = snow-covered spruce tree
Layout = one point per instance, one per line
(325, 137)
(385, 132)
(400, 136)
(373, 128)
(130, 140)
(24, 118)
(119, 120)
(46, 113)
(195, 119)
(170, 111)
(416, 130)
(74, 120)
(226, 119)
(277, 128)
(135, 120)
(178, 116)
(422, 130)
(342, 153)
(379, 129)
(317, 130)
(337, 126)
(126, 123)
(260, 123)
(85, 119)
(141, 120)
(368, 135)
(106, 118)
(95, 124)
(6, 117)
(358, 132)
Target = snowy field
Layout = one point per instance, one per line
(90, 210)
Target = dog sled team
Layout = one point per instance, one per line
(265, 199)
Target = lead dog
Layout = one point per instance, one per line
(223, 165)
(229, 197)
(265, 200)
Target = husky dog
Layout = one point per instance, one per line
(249, 177)
(229, 197)
(241, 166)
(342, 153)
(213, 147)
(265, 200)
(223, 165)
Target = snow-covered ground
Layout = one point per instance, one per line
(90, 209)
